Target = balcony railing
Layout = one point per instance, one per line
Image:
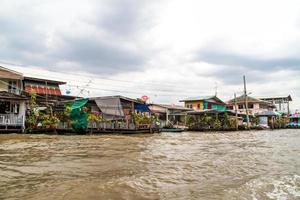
(11, 119)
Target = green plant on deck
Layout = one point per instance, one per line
(94, 117)
(280, 122)
(54, 121)
(217, 125)
(226, 121)
(32, 119)
(255, 121)
(190, 121)
(140, 118)
(284, 121)
(232, 122)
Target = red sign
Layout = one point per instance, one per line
(144, 98)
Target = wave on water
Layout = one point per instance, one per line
(282, 188)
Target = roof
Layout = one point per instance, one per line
(269, 113)
(294, 116)
(206, 98)
(7, 95)
(43, 80)
(171, 107)
(117, 96)
(288, 98)
(10, 70)
(10, 74)
(197, 98)
(241, 99)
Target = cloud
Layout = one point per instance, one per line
(99, 56)
(102, 38)
(249, 62)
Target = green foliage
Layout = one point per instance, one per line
(217, 125)
(190, 121)
(280, 122)
(255, 121)
(141, 118)
(50, 120)
(232, 122)
(94, 117)
(226, 121)
(32, 118)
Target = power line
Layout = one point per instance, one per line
(165, 84)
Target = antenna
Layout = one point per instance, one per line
(84, 87)
(216, 88)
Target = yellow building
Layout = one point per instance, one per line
(204, 103)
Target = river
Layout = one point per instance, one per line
(189, 165)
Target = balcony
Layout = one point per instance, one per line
(11, 120)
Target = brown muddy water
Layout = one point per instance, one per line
(190, 165)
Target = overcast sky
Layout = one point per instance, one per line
(166, 49)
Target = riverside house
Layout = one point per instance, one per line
(201, 103)
(255, 106)
(119, 109)
(170, 114)
(15, 91)
(12, 102)
(282, 103)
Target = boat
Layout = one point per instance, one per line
(294, 121)
(173, 130)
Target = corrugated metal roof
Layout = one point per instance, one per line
(197, 98)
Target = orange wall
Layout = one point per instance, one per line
(195, 104)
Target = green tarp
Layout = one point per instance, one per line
(79, 117)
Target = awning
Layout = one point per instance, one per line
(269, 113)
(141, 108)
(79, 103)
(110, 106)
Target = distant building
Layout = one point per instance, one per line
(282, 103)
(204, 103)
(255, 106)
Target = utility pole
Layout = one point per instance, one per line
(46, 92)
(236, 114)
(246, 102)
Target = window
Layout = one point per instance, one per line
(4, 107)
(251, 106)
(230, 107)
(12, 86)
(14, 108)
(198, 105)
(241, 106)
(189, 106)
